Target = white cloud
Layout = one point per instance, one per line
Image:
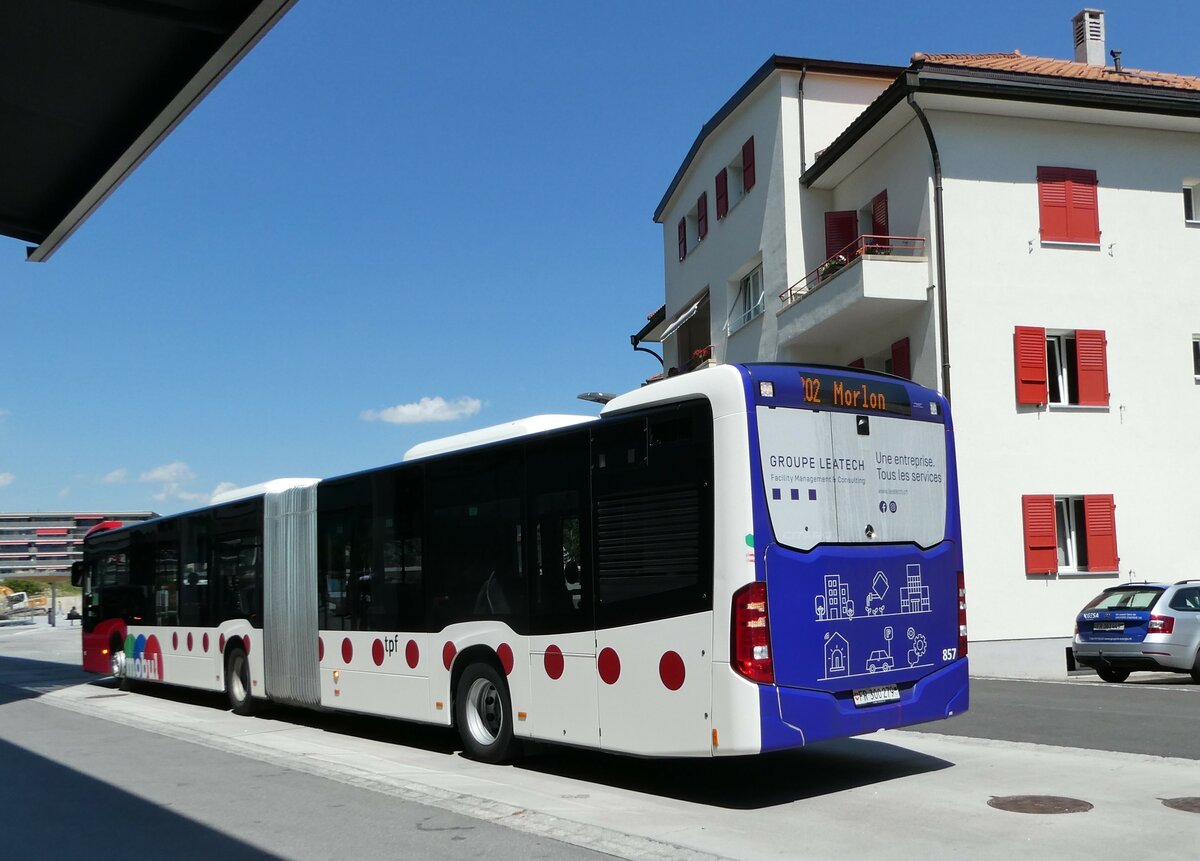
(65, 492)
(222, 488)
(6, 478)
(425, 410)
(116, 476)
(172, 477)
(175, 472)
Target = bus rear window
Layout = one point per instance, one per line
(833, 477)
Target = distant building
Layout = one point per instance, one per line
(1020, 233)
(42, 545)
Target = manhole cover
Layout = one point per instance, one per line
(1189, 804)
(1039, 804)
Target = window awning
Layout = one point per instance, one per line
(680, 320)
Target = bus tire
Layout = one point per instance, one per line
(118, 664)
(237, 682)
(483, 714)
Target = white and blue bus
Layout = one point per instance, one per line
(736, 560)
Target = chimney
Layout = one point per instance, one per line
(1088, 27)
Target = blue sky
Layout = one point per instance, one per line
(408, 222)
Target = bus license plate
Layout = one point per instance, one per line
(1108, 626)
(875, 696)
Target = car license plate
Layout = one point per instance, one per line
(875, 696)
(1108, 626)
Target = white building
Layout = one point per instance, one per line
(1017, 232)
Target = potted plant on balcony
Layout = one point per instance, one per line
(832, 265)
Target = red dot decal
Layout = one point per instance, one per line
(412, 654)
(554, 662)
(377, 653)
(189, 641)
(152, 655)
(204, 642)
(671, 670)
(174, 641)
(609, 665)
(246, 644)
(221, 644)
(448, 653)
(320, 649)
(505, 654)
(347, 650)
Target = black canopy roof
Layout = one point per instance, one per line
(88, 88)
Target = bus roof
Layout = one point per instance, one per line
(495, 433)
(275, 485)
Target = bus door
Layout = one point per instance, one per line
(562, 645)
(652, 480)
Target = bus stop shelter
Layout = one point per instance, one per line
(88, 88)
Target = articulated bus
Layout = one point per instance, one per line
(741, 559)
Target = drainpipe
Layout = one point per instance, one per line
(939, 244)
(803, 72)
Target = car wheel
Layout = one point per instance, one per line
(483, 714)
(1114, 676)
(237, 682)
(1196, 668)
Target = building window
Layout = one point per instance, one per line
(702, 216)
(750, 300)
(1069, 534)
(1067, 205)
(1196, 356)
(722, 193)
(1061, 367)
(683, 238)
(1191, 202)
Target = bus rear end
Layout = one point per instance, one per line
(856, 620)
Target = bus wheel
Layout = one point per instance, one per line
(237, 682)
(117, 666)
(484, 714)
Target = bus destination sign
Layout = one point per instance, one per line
(855, 393)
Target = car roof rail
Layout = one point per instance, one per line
(1189, 580)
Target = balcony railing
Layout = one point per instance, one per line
(866, 245)
(699, 358)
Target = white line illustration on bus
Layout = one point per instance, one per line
(879, 589)
(881, 660)
(836, 603)
(837, 656)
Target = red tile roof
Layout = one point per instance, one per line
(1018, 63)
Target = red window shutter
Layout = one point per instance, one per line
(1101, 527)
(1029, 347)
(879, 218)
(1092, 364)
(901, 366)
(748, 165)
(857, 363)
(702, 215)
(682, 238)
(1083, 212)
(1041, 544)
(722, 193)
(841, 229)
(1067, 205)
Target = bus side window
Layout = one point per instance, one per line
(560, 582)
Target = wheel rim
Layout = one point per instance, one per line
(237, 682)
(116, 663)
(485, 714)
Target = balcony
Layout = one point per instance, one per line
(865, 284)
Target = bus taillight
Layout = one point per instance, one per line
(751, 636)
(962, 616)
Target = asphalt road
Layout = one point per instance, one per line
(1156, 714)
